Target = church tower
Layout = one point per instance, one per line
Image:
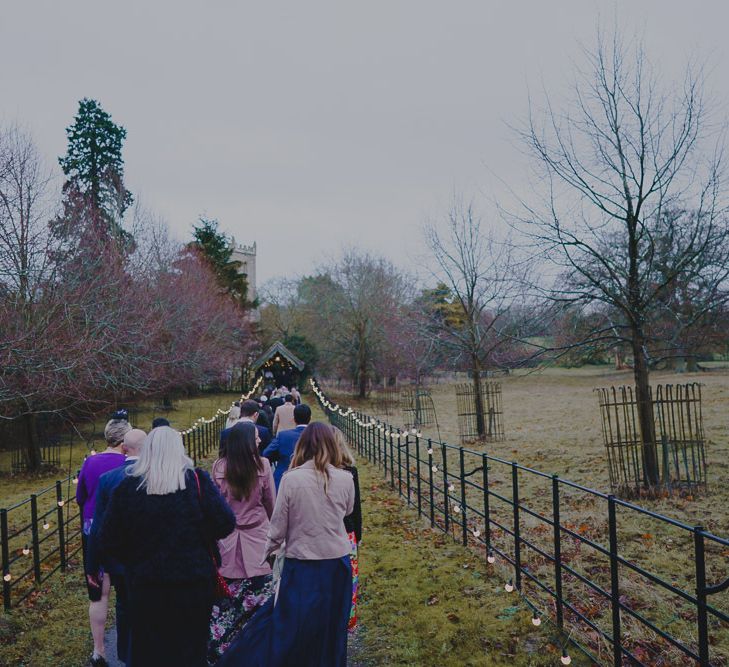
(246, 255)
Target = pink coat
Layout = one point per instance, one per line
(242, 551)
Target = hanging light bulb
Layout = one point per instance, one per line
(26, 550)
(509, 586)
(61, 503)
(434, 468)
(75, 480)
(491, 558)
(451, 488)
(7, 577)
(457, 509)
(566, 660)
(536, 620)
(476, 532)
(46, 526)
(430, 450)
(92, 452)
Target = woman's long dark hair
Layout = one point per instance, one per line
(242, 460)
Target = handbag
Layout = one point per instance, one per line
(221, 589)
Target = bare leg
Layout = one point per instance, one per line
(97, 616)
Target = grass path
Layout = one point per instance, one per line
(427, 601)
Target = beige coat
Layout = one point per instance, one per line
(283, 419)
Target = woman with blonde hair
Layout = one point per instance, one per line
(233, 416)
(306, 625)
(161, 524)
(352, 522)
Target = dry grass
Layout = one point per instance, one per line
(552, 424)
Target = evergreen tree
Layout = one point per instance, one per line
(94, 167)
(217, 248)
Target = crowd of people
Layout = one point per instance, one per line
(254, 564)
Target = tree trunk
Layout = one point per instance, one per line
(478, 395)
(651, 476)
(33, 457)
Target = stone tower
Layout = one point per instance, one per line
(246, 255)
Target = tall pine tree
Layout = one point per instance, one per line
(218, 250)
(94, 167)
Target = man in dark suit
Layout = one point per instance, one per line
(282, 446)
(97, 560)
(248, 413)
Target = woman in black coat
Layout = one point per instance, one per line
(162, 524)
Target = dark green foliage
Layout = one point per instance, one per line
(305, 350)
(93, 165)
(218, 250)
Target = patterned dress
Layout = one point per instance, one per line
(230, 615)
(355, 579)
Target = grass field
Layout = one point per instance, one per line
(552, 424)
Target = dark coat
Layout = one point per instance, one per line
(281, 449)
(167, 538)
(353, 521)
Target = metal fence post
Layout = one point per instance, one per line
(5, 557)
(464, 523)
(61, 525)
(517, 532)
(34, 533)
(557, 552)
(430, 482)
(399, 463)
(701, 613)
(407, 466)
(486, 508)
(614, 583)
(446, 496)
(418, 482)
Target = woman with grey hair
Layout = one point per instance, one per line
(99, 583)
(162, 524)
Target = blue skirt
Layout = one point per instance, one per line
(307, 626)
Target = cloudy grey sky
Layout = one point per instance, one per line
(306, 126)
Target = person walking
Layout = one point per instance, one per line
(99, 562)
(306, 624)
(162, 525)
(283, 419)
(352, 522)
(282, 446)
(248, 412)
(98, 582)
(246, 482)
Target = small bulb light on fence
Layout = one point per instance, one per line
(457, 509)
(418, 435)
(61, 503)
(75, 480)
(26, 550)
(451, 488)
(509, 586)
(491, 558)
(46, 526)
(413, 431)
(434, 468)
(92, 452)
(430, 450)
(536, 620)
(7, 577)
(476, 532)
(566, 660)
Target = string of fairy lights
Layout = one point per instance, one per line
(197, 424)
(403, 434)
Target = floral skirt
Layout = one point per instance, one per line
(231, 614)
(355, 579)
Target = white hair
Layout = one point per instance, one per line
(115, 430)
(162, 462)
(233, 416)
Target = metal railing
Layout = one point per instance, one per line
(595, 580)
(40, 534)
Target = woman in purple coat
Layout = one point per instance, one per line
(246, 482)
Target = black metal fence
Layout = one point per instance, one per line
(621, 583)
(39, 535)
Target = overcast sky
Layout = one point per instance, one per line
(307, 126)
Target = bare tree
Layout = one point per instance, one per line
(481, 274)
(622, 155)
(24, 212)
